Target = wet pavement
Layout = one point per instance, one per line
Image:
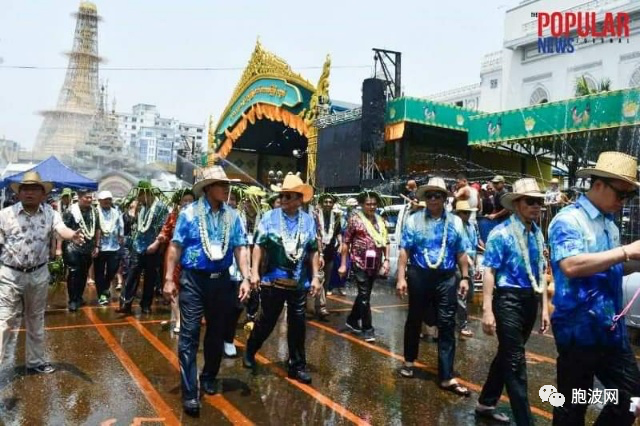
(114, 370)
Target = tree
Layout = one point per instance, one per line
(582, 87)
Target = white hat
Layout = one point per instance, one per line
(104, 195)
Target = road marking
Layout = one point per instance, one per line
(348, 302)
(107, 324)
(403, 305)
(152, 395)
(217, 401)
(344, 412)
(425, 367)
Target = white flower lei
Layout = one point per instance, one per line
(443, 245)
(145, 221)
(77, 215)
(204, 234)
(107, 225)
(523, 250)
(379, 238)
(296, 255)
(327, 236)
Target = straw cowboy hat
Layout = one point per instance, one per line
(293, 183)
(434, 184)
(554, 181)
(351, 202)
(31, 178)
(527, 187)
(208, 176)
(464, 206)
(613, 165)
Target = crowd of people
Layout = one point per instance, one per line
(220, 248)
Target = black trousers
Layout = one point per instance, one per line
(253, 304)
(616, 368)
(105, 267)
(272, 301)
(213, 298)
(425, 289)
(515, 312)
(361, 310)
(231, 321)
(78, 266)
(139, 263)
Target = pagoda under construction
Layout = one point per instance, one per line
(67, 125)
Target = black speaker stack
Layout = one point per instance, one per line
(373, 111)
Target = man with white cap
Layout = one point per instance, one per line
(26, 230)
(514, 283)
(588, 263)
(107, 262)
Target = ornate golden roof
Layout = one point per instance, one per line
(264, 64)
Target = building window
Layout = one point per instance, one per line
(199, 130)
(539, 96)
(133, 127)
(635, 78)
(494, 83)
(460, 104)
(134, 119)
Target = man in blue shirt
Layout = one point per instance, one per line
(514, 279)
(207, 236)
(107, 262)
(588, 263)
(435, 242)
(287, 237)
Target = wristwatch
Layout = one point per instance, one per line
(465, 278)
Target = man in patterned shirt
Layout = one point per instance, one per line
(287, 237)
(26, 231)
(588, 263)
(514, 266)
(435, 242)
(329, 239)
(111, 229)
(145, 255)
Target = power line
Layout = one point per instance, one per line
(44, 68)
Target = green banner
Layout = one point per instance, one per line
(430, 113)
(594, 112)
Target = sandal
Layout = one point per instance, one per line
(457, 389)
(466, 333)
(492, 414)
(406, 372)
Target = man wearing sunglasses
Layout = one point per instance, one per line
(588, 263)
(436, 243)
(514, 281)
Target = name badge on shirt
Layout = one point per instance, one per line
(326, 239)
(370, 259)
(250, 239)
(216, 251)
(290, 246)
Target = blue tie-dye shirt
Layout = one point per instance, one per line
(502, 254)
(472, 238)
(142, 240)
(422, 236)
(584, 307)
(187, 236)
(269, 237)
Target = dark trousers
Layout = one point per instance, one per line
(616, 368)
(78, 265)
(361, 310)
(105, 267)
(253, 304)
(272, 301)
(426, 288)
(515, 312)
(231, 321)
(140, 262)
(213, 298)
(462, 314)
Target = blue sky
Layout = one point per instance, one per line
(442, 45)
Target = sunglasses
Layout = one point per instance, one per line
(287, 196)
(433, 196)
(622, 195)
(530, 201)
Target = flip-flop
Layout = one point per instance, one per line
(492, 414)
(456, 388)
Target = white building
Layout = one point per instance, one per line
(152, 138)
(519, 75)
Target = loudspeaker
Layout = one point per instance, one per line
(339, 154)
(373, 109)
(184, 168)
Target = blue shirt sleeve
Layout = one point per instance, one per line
(565, 239)
(238, 234)
(462, 243)
(407, 240)
(261, 233)
(493, 256)
(181, 231)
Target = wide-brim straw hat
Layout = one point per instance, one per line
(464, 206)
(31, 178)
(351, 202)
(613, 165)
(434, 184)
(527, 187)
(293, 183)
(209, 175)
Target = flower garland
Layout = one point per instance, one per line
(523, 251)
(204, 234)
(145, 220)
(327, 236)
(107, 225)
(443, 245)
(77, 215)
(379, 238)
(292, 247)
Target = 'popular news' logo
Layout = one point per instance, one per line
(568, 29)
